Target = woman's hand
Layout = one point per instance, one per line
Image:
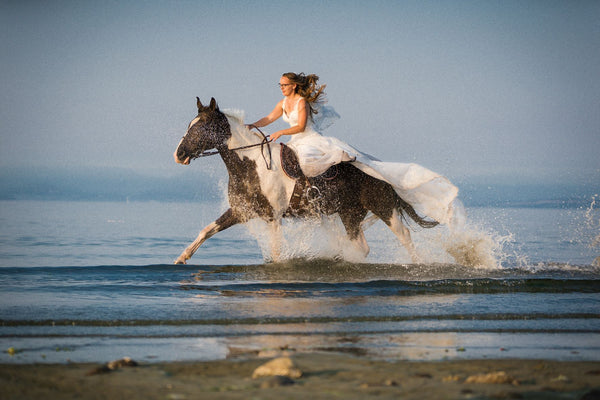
(276, 135)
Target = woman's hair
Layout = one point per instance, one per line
(306, 86)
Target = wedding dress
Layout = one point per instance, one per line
(429, 193)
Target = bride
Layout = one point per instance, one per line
(302, 107)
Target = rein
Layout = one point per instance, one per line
(265, 140)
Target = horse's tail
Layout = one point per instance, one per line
(407, 209)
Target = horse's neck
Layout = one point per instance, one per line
(245, 167)
(255, 171)
(232, 161)
(240, 134)
(240, 137)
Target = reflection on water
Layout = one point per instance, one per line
(388, 346)
(426, 345)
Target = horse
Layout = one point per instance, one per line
(259, 187)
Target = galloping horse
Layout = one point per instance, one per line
(259, 187)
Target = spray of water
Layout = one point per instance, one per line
(463, 242)
(460, 243)
(305, 238)
(469, 245)
(592, 220)
(473, 247)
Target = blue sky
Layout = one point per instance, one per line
(470, 89)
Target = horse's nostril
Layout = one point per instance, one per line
(181, 154)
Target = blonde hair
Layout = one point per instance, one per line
(307, 87)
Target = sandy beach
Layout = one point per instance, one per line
(323, 376)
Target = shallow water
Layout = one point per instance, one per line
(93, 282)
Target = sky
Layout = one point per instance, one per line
(470, 89)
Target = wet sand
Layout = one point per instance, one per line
(324, 376)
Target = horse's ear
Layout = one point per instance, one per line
(213, 104)
(199, 104)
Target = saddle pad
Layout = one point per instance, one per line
(289, 163)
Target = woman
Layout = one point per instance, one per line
(302, 107)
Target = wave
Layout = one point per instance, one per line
(300, 279)
(319, 269)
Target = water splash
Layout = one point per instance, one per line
(592, 221)
(463, 243)
(305, 238)
(473, 247)
(582, 230)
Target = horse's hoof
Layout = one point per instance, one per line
(179, 261)
(417, 260)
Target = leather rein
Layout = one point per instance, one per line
(264, 141)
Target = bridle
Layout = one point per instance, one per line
(264, 141)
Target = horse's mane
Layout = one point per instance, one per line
(240, 134)
(235, 114)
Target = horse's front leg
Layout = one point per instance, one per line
(276, 238)
(223, 222)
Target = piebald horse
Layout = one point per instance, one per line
(259, 188)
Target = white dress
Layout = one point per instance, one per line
(431, 194)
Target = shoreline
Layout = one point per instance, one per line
(323, 376)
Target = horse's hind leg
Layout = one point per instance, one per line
(403, 234)
(223, 222)
(352, 223)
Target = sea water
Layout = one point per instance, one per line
(94, 281)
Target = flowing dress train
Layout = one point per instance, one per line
(429, 193)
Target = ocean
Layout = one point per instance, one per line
(94, 281)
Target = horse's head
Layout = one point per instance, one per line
(209, 130)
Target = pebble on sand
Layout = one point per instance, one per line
(113, 365)
(282, 366)
(451, 378)
(123, 362)
(492, 377)
(560, 378)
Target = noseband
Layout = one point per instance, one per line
(264, 141)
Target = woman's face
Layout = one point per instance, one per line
(287, 87)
